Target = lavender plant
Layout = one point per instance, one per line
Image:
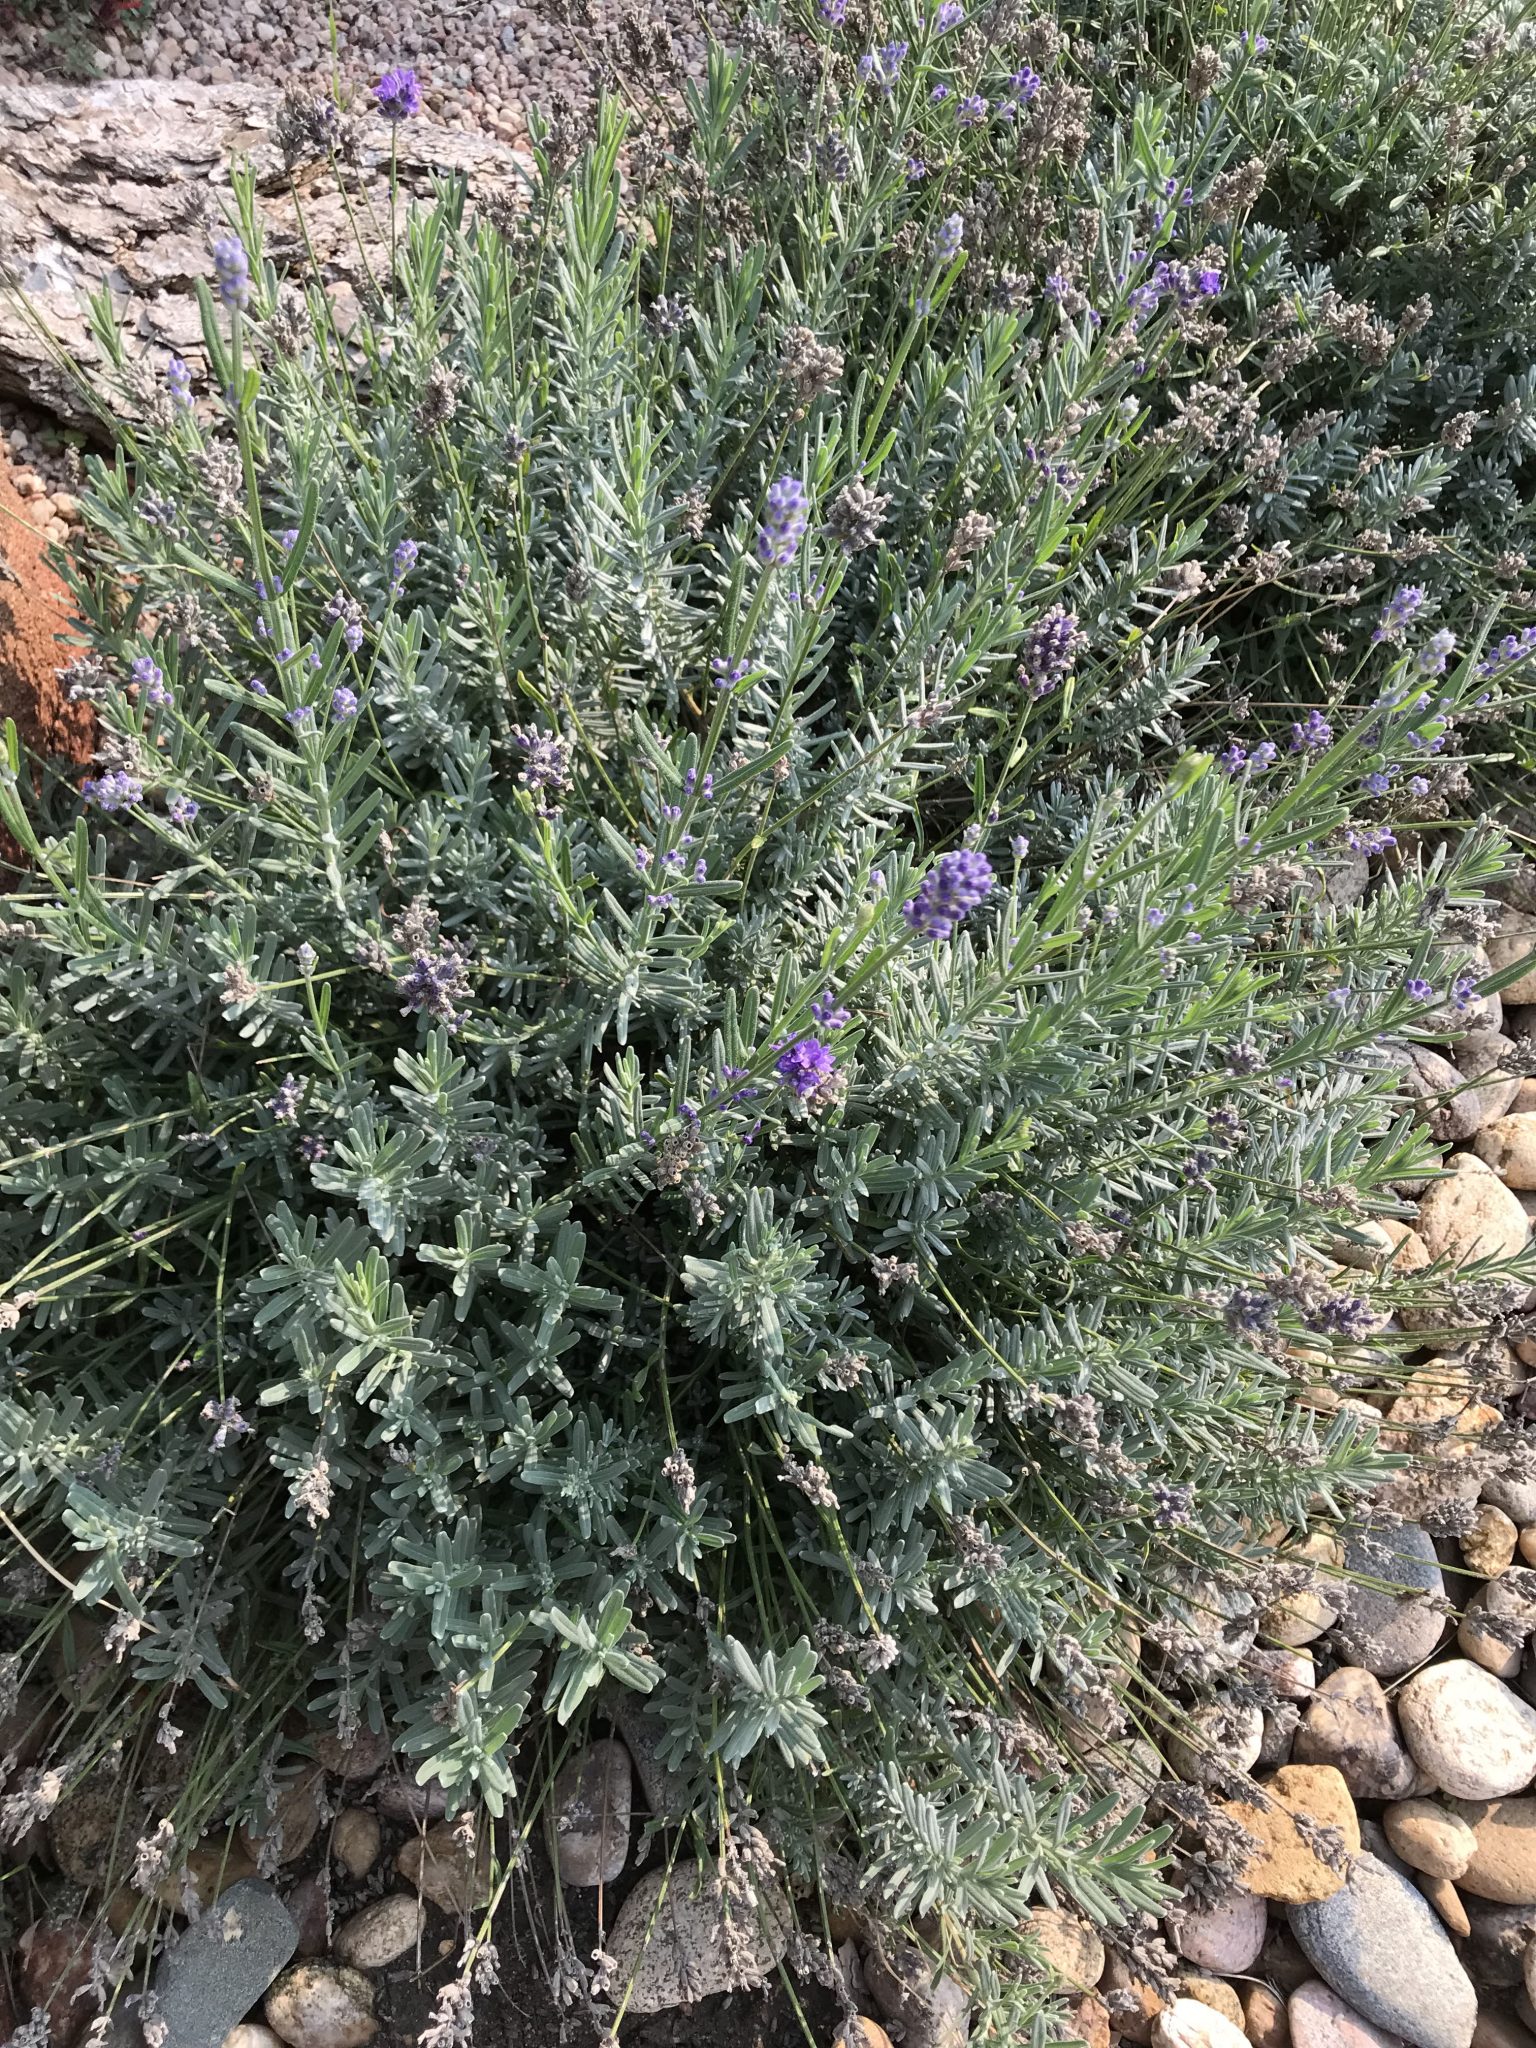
(649, 1078)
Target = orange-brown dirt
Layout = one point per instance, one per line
(34, 610)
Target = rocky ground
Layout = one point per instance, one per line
(482, 61)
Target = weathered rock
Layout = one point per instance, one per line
(1488, 1547)
(447, 1870)
(1348, 1724)
(1285, 1865)
(1484, 1057)
(1440, 1091)
(1386, 1630)
(1471, 1215)
(861, 2033)
(1517, 1497)
(1430, 1837)
(380, 1933)
(1088, 2017)
(1291, 1673)
(682, 1957)
(1497, 1621)
(1265, 2019)
(1446, 1900)
(322, 2005)
(400, 1798)
(1226, 1937)
(356, 1840)
(309, 1901)
(1189, 2024)
(1498, 2030)
(222, 1964)
(1280, 1725)
(1069, 1948)
(92, 1830)
(55, 1968)
(1476, 1739)
(1381, 1948)
(1215, 1740)
(119, 185)
(1305, 1614)
(591, 1815)
(210, 1869)
(1319, 2018)
(664, 1791)
(250, 2035)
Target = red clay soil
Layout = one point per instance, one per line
(33, 611)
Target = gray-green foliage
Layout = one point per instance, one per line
(503, 1200)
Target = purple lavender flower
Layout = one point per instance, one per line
(1249, 1312)
(232, 273)
(950, 890)
(1436, 652)
(1050, 651)
(288, 539)
(284, 1105)
(1024, 84)
(313, 1149)
(1420, 990)
(833, 12)
(343, 703)
(257, 687)
(727, 673)
(917, 170)
(1512, 648)
(972, 111)
(398, 93)
(403, 561)
(785, 517)
(435, 985)
(1264, 755)
(181, 810)
(117, 791)
(1377, 783)
(940, 91)
(950, 15)
(1233, 757)
(546, 767)
(1209, 282)
(178, 380)
(230, 1422)
(879, 67)
(806, 1067)
(950, 239)
(1399, 613)
(1172, 1506)
(307, 958)
(1243, 1057)
(1311, 734)
(829, 1012)
(1463, 991)
(301, 717)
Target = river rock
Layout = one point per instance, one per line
(1216, 1993)
(1348, 1724)
(591, 1809)
(1187, 2023)
(1484, 1057)
(1215, 1740)
(322, 2005)
(363, 1757)
(247, 2035)
(1497, 2030)
(447, 1870)
(288, 1829)
(1430, 1837)
(862, 2033)
(1286, 1866)
(1292, 1674)
(1475, 1738)
(1133, 2003)
(1508, 1144)
(356, 1840)
(1502, 1866)
(1488, 1547)
(1381, 1629)
(1319, 2018)
(1498, 1620)
(1515, 940)
(1069, 1948)
(1265, 2019)
(209, 1980)
(1471, 1214)
(54, 1970)
(683, 1957)
(381, 1933)
(1446, 1900)
(1517, 1497)
(1301, 1616)
(1226, 1937)
(1385, 1953)
(1494, 1952)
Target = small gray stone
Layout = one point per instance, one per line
(1388, 1632)
(1382, 1948)
(668, 1940)
(665, 1793)
(222, 1964)
(1517, 1498)
(1348, 1724)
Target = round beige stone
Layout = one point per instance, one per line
(1429, 1837)
(1488, 1547)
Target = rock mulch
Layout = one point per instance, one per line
(482, 62)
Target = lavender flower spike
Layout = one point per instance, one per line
(398, 93)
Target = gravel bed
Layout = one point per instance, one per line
(481, 61)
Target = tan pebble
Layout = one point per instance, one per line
(1497, 2030)
(381, 1933)
(1446, 1900)
(249, 2035)
(1502, 1865)
(1136, 2024)
(1429, 1837)
(455, 1879)
(861, 2033)
(356, 1840)
(1089, 2018)
(1488, 1547)
(1071, 1950)
(1528, 1544)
